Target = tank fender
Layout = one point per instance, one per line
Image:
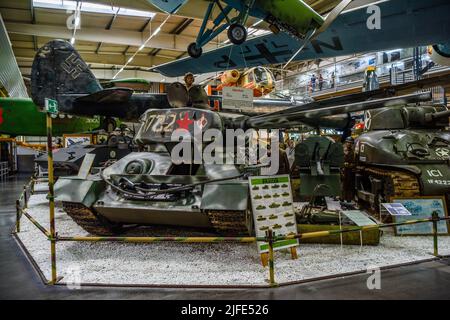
(74, 189)
(413, 169)
(225, 196)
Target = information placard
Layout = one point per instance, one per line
(237, 98)
(272, 205)
(421, 208)
(358, 217)
(396, 209)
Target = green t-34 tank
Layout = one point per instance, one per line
(404, 152)
(150, 188)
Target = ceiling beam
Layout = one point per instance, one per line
(122, 37)
(104, 58)
(108, 27)
(177, 30)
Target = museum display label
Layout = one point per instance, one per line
(396, 209)
(237, 98)
(359, 218)
(421, 208)
(273, 209)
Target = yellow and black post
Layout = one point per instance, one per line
(271, 263)
(25, 197)
(17, 216)
(51, 196)
(435, 218)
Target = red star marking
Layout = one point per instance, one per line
(1, 116)
(185, 122)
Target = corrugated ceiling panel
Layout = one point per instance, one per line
(10, 76)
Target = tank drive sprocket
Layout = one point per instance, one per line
(89, 221)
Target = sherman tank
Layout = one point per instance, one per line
(151, 187)
(404, 152)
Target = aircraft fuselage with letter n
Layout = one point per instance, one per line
(383, 25)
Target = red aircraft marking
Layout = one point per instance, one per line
(185, 122)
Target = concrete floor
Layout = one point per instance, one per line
(18, 280)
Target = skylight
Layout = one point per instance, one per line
(91, 7)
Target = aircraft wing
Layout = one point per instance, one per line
(110, 95)
(168, 6)
(10, 76)
(404, 23)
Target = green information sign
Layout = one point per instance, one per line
(51, 106)
(273, 209)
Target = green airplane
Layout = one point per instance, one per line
(21, 117)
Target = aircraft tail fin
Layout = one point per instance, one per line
(58, 71)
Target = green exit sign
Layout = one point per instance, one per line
(51, 106)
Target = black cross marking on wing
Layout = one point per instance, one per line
(270, 57)
(226, 62)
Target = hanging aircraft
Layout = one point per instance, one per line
(21, 117)
(401, 24)
(259, 79)
(293, 17)
(59, 72)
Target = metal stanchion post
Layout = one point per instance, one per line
(435, 218)
(17, 216)
(51, 196)
(25, 198)
(271, 264)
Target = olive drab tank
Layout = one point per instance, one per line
(404, 152)
(149, 188)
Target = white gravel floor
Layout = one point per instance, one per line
(171, 263)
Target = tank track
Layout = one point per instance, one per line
(89, 221)
(229, 223)
(399, 184)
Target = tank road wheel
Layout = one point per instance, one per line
(396, 184)
(237, 33)
(194, 51)
(90, 221)
(231, 223)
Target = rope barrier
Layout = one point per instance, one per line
(270, 237)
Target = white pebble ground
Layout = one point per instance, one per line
(170, 263)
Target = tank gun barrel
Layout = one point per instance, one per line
(433, 116)
(277, 120)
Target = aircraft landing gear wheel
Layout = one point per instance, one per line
(194, 51)
(237, 33)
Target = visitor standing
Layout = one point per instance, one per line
(313, 82)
